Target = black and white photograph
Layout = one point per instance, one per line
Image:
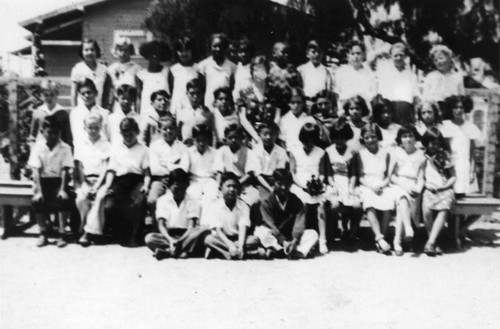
(249, 164)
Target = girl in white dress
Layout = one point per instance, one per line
(342, 179)
(181, 73)
(374, 172)
(125, 70)
(154, 77)
(462, 143)
(407, 184)
(90, 68)
(383, 113)
(306, 167)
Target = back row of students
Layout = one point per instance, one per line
(117, 194)
(251, 76)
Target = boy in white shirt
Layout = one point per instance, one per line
(91, 162)
(51, 162)
(150, 125)
(229, 220)
(315, 76)
(125, 96)
(177, 216)
(165, 155)
(291, 123)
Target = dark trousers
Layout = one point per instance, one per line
(192, 244)
(50, 203)
(125, 209)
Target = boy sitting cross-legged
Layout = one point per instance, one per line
(282, 231)
(177, 216)
(229, 218)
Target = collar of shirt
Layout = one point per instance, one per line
(237, 206)
(281, 205)
(216, 66)
(45, 109)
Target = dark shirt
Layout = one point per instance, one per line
(287, 223)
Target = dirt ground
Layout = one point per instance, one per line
(112, 287)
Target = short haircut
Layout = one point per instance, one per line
(434, 107)
(245, 43)
(309, 132)
(157, 93)
(433, 135)
(222, 38)
(407, 129)
(380, 103)
(155, 47)
(440, 49)
(93, 117)
(203, 131)
(259, 60)
(123, 43)
(127, 90)
(183, 43)
(271, 125)
(452, 101)
(278, 44)
(370, 127)
(178, 175)
(297, 91)
(49, 85)
(94, 43)
(359, 102)
(223, 90)
(324, 94)
(51, 122)
(225, 176)
(283, 176)
(233, 128)
(129, 124)
(341, 130)
(196, 83)
(168, 119)
(87, 83)
(353, 43)
(399, 45)
(313, 44)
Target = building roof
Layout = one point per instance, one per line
(75, 7)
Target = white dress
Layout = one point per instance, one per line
(438, 86)
(307, 165)
(374, 167)
(460, 144)
(340, 164)
(182, 75)
(151, 82)
(81, 71)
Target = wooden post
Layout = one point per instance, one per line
(490, 149)
(13, 129)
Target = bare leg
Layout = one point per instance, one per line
(437, 227)
(322, 229)
(371, 215)
(386, 220)
(399, 226)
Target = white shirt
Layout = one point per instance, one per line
(115, 119)
(350, 82)
(81, 71)
(269, 162)
(151, 82)
(438, 86)
(314, 78)
(128, 160)
(77, 121)
(290, 127)
(93, 156)
(191, 117)
(51, 161)
(165, 158)
(201, 165)
(396, 85)
(123, 73)
(389, 135)
(222, 122)
(240, 163)
(182, 75)
(220, 216)
(216, 76)
(177, 216)
(242, 79)
(40, 114)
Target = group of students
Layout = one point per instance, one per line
(251, 160)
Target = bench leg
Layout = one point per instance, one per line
(8, 221)
(456, 232)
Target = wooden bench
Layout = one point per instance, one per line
(472, 207)
(14, 194)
